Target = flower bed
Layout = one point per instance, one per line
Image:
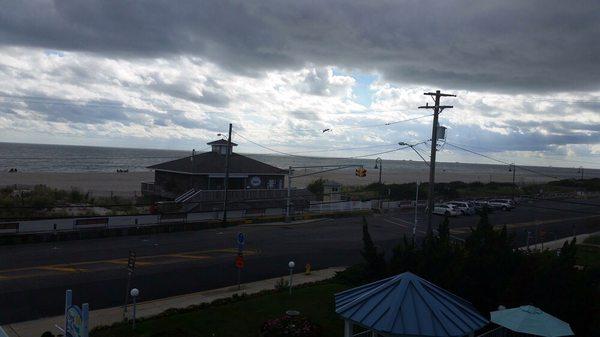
(290, 326)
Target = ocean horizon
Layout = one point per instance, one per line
(28, 157)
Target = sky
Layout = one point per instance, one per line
(173, 74)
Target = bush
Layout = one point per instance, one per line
(281, 284)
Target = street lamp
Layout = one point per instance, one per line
(379, 165)
(412, 146)
(134, 294)
(291, 265)
(512, 168)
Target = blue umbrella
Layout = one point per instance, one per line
(531, 320)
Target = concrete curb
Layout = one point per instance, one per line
(150, 308)
(557, 244)
(291, 223)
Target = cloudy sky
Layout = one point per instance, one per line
(173, 74)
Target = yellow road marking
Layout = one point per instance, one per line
(120, 261)
(61, 268)
(194, 257)
(141, 261)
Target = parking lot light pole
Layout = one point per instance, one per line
(414, 229)
(379, 164)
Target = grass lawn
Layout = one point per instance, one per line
(242, 318)
(594, 239)
(588, 256)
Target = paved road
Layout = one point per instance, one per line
(33, 278)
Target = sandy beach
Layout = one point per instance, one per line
(128, 184)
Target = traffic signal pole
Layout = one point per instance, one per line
(437, 109)
(324, 168)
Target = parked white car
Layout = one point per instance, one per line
(463, 207)
(446, 210)
(503, 204)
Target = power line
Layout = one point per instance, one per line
(559, 157)
(294, 155)
(502, 161)
(351, 127)
(346, 149)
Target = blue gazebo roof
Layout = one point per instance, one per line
(406, 304)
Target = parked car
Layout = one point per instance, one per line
(446, 210)
(464, 207)
(480, 204)
(503, 204)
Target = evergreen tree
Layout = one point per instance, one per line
(375, 266)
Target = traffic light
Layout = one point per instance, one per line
(361, 172)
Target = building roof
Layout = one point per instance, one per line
(530, 320)
(221, 142)
(214, 163)
(407, 305)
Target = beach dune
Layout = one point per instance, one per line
(96, 183)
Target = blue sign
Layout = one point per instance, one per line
(76, 319)
(74, 322)
(241, 238)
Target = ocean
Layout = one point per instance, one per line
(68, 158)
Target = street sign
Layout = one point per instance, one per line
(241, 238)
(131, 261)
(239, 261)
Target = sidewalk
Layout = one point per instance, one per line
(557, 244)
(109, 316)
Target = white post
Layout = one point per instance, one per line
(85, 316)
(348, 329)
(68, 302)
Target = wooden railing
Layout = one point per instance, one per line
(239, 195)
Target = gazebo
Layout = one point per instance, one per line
(529, 320)
(406, 305)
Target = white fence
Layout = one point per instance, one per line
(344, 206)
(75, 224)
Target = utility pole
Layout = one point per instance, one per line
(437, 109)
(226, 182)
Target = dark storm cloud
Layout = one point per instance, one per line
(525, 136)
(535, 46)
